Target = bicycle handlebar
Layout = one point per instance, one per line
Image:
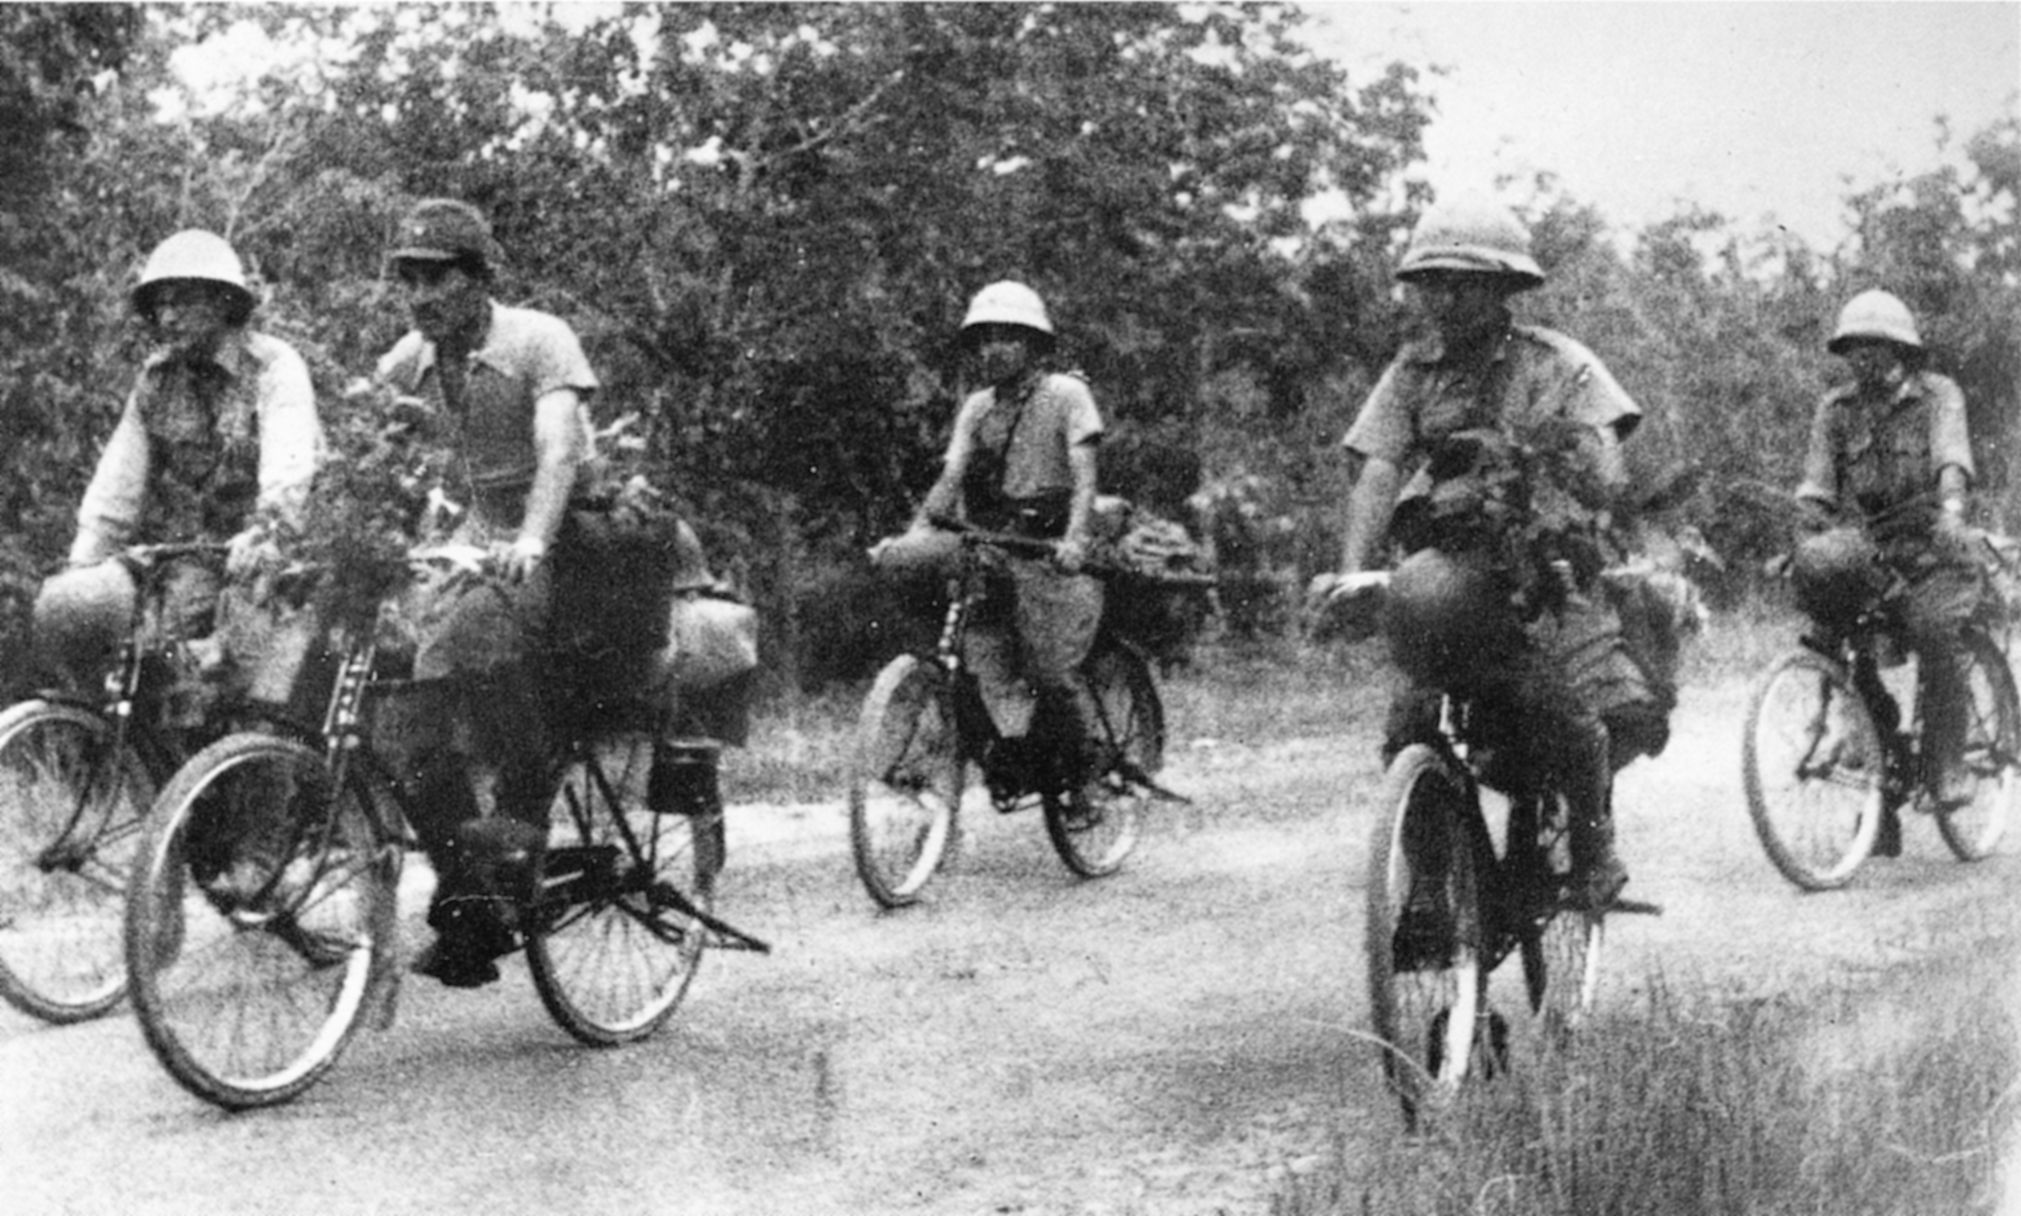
(147, 555)
(1035, 546)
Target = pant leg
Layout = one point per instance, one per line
(1056, 616)
(1565, 733)
(485, 639)
(1939, 600)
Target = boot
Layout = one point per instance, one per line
(490, 877)
(1597, 872)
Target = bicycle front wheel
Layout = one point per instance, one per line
(1096, 831)
(612, 938)
(72, 799)
(1424, 930)
(1560, 946)
(261, 911)
(905, 781)
(1814, 767)
(1992, 748)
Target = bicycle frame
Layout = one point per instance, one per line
(1015, 769)
(1518, 894)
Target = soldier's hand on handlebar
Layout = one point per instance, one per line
(1345, 605)
(517, 561)
(252, 552)
(1954, 535)
(1070, 553)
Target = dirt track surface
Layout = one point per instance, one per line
(1172, 1040)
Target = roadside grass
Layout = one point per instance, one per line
(1248, 693)
(1893, 1095)
(1740, 643)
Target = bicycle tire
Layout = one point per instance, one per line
(1560, 945)
(1095, 833)
(1992, 749)
(611, 941)
(1813, 763)
(905, 781)
(260, 920)
(1425, 966)
(70, 819)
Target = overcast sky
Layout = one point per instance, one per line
(1749, 109)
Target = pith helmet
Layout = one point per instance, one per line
(1875, 314)
(1008, 303)
(194, 255)
(1442, 614)
(1471, 236)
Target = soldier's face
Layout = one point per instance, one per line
(1877, 365)
(1002, 352)
(446, 300)
(1458, 304)
(191, 318)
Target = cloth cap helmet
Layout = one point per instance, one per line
(1875, 314)
(445, 230)
(194, 255)
(1009, 303)
(1444, 613)
(1836, 574)
(1472, 236)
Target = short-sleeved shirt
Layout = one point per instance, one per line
(1034, 431)
(1876, 452)
(525, 355)
(202, 447)
(1522, 376)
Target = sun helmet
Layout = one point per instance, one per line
(194, 255)
(1875, 314)
(1008, 302)
(1836, 574)
(1471, 235)
(1443, 615)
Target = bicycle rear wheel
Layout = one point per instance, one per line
(260, 914)
(1561, 945)
(73, 795)
(612, 938)
(1992, 749)
(1095, 832)
(1814, 765)
(1423, 926)
(905, 781)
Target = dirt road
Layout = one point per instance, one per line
(1168, 1041)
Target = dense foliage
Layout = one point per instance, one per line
(765, 221)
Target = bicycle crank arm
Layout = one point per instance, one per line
(663, 895)
(1138, 777)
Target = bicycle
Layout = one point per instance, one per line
(1445, 907)
(248, 996)
(925, 721)
(1825, 759)
(76, 777)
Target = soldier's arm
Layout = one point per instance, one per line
(559, 450)
(110, 511)
(1370, 504)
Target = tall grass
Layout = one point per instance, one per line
(1892, 1098)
